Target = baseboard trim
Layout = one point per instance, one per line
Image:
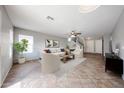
(123, 76)
(0, 84)
(93, 53)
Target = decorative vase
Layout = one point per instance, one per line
(21, 60)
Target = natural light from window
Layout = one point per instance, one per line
(30, 42)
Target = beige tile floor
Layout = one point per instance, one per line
(88, 74)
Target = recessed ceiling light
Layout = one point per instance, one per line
(87, 8)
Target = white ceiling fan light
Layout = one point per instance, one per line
(69, 39)
(87, 8)
(72, 36)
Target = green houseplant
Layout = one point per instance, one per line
(20, 48)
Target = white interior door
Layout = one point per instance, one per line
(98, 46)
(90, 46)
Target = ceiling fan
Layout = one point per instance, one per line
(73, 34)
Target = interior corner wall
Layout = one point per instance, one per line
(106, 40)
(38, 42)
(118, 37)
(6, 44)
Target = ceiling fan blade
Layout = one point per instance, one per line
(78, 33)
(73, 33)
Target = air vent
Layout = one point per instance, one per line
(50, 18)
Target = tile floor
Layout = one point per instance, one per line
(88, 74)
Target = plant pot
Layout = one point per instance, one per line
(21, 60)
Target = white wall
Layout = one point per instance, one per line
(6, 42)
(106, 43)
(39, 42)
(118, 36)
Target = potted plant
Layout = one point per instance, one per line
(20, 48)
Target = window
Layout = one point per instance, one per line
(30, 42)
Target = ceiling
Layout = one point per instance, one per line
(66, 18)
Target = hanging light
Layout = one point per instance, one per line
(87, 8)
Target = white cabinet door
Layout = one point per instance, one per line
(98, 46)
(90, 46)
